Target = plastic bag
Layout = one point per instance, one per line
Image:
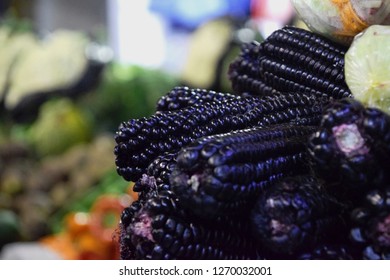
(341, 20)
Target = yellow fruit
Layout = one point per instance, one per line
(60, 125)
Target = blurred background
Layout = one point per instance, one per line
(70, 72)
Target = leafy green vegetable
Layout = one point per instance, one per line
(126, 92)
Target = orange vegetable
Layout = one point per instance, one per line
(77, 223)
(91, 248)
(105, 216)
(62, 244)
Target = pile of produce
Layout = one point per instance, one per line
(70, 64)
(41, 191)
(90, 234)
(293, 164)
(56, 138)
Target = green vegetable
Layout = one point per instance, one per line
(60, 125)
(10, 227)
(126, 92)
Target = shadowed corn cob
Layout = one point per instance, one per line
(371, 225)
(328, 252)
(148, 188)
(156, 178)
(161, 230)
(160, 170)
(125, 247)
(351, 148)
(140, 141)
(295, 215)
(244, 72)
(290, 59)
(181, 97)
(222, 174)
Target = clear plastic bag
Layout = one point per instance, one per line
(341, 20)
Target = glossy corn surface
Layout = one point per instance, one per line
(290, 60)
(140, 141)
(223, 174)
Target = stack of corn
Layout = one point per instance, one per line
(292, 165)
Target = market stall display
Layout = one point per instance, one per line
(100, 160)
(215, 171)
(56, 151)
(70, 65)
